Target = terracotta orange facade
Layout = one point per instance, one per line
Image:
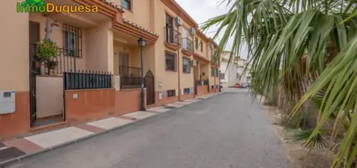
(98, 67)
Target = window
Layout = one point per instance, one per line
(170, 29)
(213, 72)
(126, 4)
(186, 65)
(171, 93)
(196, 43)
(222, 76)
(187, 91)
(72, 41)
(170, 61)
(201, 46)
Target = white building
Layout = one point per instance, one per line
(233, 71)
(244, 71)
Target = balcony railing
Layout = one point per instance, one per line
(202, 82)
(187, 44)
(130, 77)
(172, 35)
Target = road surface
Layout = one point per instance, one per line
(226, 131)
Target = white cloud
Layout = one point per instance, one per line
(202, 10)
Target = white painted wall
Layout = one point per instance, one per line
(49, 96)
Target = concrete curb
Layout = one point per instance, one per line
(26, 156)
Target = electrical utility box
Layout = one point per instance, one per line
(7, 102)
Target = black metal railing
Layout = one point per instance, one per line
(172, 35)
(206, 82)
(129, 71)
(187, 44)
(65, 63)
(202, 83)
(87, 80)
(130, 77)
(199, 83)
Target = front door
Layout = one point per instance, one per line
(34, 37)
(124, 64)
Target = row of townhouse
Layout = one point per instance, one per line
(103, 57)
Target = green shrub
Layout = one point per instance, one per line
(46, 50)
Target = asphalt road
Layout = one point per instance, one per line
(226, 131)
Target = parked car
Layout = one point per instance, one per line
(237, 85)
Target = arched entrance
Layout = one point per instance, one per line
(150, 88)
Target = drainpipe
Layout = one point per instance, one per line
(178, 66)
(178, 75)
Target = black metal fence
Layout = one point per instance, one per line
(202, 82)
(130, 77)
(87, 80)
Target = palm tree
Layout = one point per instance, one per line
(306, 48)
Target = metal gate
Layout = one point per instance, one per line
(34, 37)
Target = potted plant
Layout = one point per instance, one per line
(46, 51)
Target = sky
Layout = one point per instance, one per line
(202, 10)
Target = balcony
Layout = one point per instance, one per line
(172, 37)
(187, 46)
(130, 77)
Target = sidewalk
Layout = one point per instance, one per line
(20, 148)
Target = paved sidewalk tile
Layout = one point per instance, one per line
(23, 145)
(90, 128)
(58, 137)
(192, 100)
(175, 105)
(127, 118)
(159, 110)
(184, 103)
(10, 153)
(140, 115)
(110, 123)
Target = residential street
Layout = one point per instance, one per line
(226, 131)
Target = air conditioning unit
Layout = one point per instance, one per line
(178, 21)
(193, 31)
